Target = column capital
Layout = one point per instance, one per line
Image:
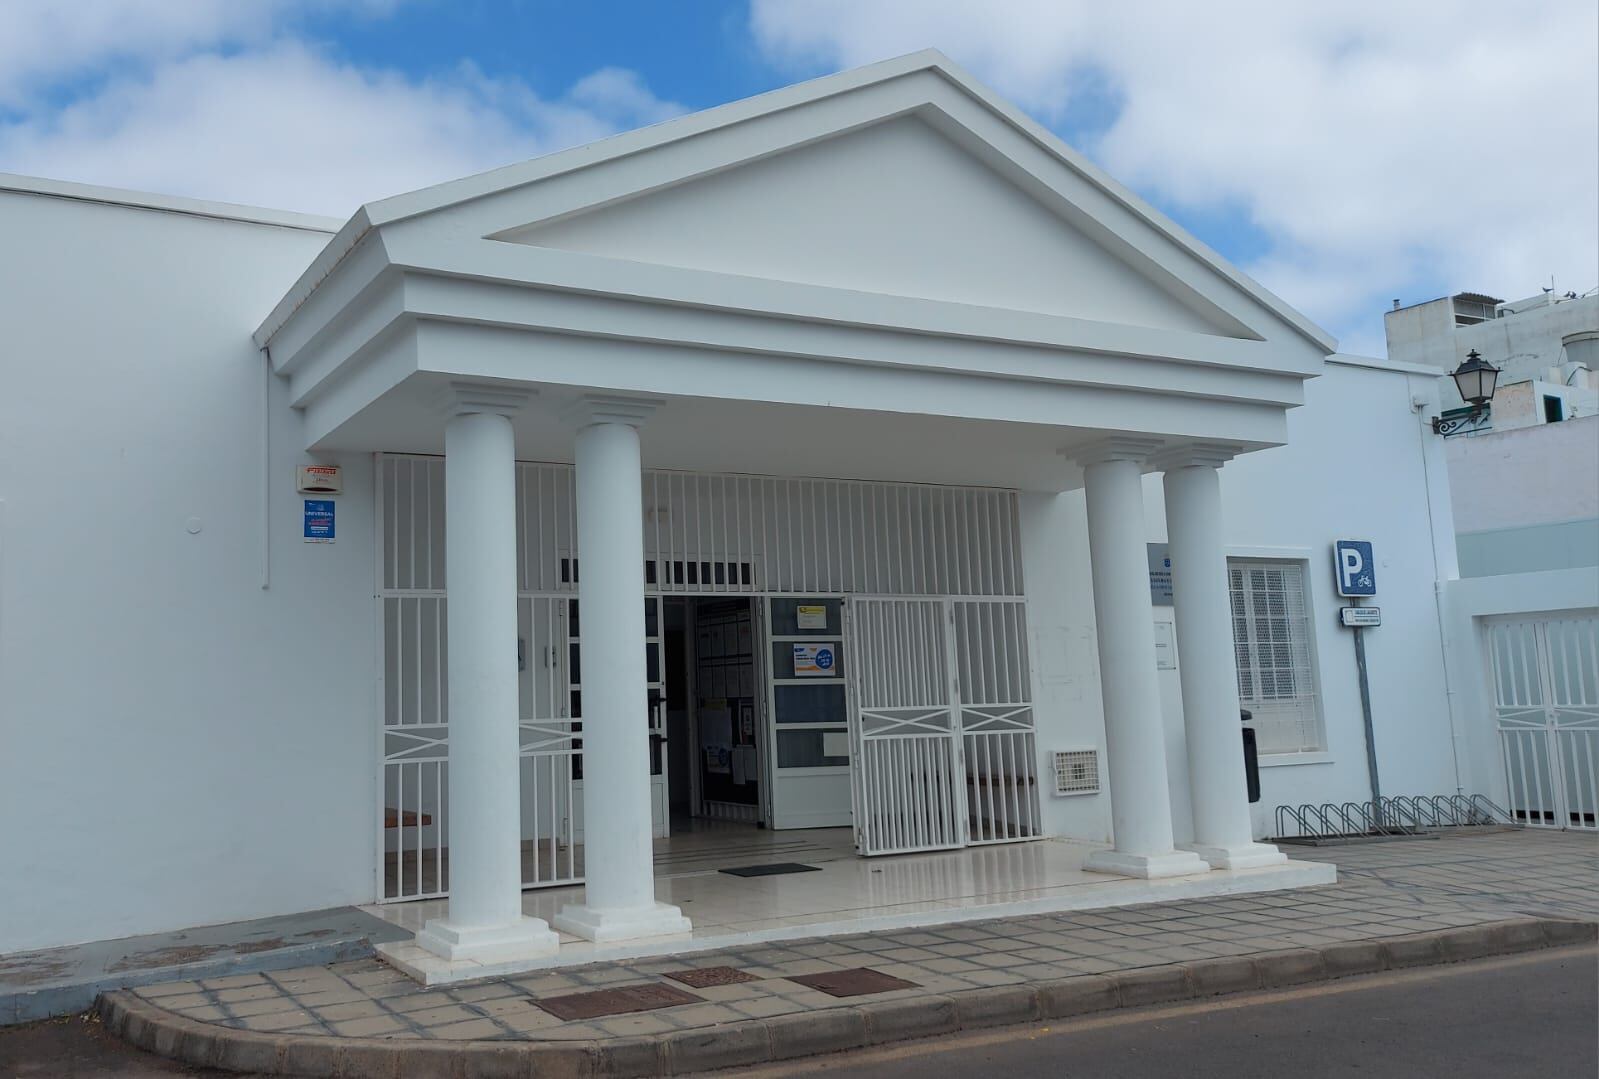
(1196, 454)
(594, 408)
(1114, 448)
(463, 398)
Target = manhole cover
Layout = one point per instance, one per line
(705, 977)
(773, 870)
(628, 998)
(856, 982)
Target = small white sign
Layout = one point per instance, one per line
(810, 616)
(319, 480)
(1360, 616)
(1165, 647)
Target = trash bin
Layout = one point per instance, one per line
(1251, 758)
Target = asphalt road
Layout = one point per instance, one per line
(1531, 1015)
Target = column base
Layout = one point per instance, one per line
(527, 938)
(632, 923)
(1178, 863)
(1239, 855)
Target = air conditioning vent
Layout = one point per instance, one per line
(1077, 771)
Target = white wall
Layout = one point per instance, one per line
(1528, 476)
(1339, 477)
(1354, 467)
(180, 746)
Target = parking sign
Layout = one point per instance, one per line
(1354, 568)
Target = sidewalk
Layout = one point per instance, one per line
(1398, 903)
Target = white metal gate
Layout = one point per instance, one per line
(904, 728)
(1546, 707)
(704, 534)
(941, 723)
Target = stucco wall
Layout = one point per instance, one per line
(1290, 502)
(1530, 476)
(1356, 467)
(180, 745)
(183, 746)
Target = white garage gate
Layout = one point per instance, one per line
(1546, 712)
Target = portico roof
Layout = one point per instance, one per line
(892, 242)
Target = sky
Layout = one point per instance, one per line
(1345, 155)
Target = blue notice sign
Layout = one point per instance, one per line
(318, 520)
(1355, 568)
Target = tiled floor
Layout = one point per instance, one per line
(1385, 890)
(695, 846)
(847, 894)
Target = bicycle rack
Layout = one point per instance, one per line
(1405, 816)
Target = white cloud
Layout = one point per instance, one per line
(42, 41)
(226, 108)
(1381, 148)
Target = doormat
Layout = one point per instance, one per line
(706, 977)
(629, 998)
(773, 870)
(856, 982)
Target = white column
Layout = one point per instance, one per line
(619, 891)
(1135, 740)
(1206, 663)
(485, 921)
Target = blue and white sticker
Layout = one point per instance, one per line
(814, 661)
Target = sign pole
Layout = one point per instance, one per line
(1355, 572)
(1371, 735)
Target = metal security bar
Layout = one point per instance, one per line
(550, 745)
(703, 534)
(995, 694)
(908, 772)
(1546, 709)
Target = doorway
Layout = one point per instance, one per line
(716, 755)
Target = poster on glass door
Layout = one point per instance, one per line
(813, 661)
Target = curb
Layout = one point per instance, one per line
(802, 1034)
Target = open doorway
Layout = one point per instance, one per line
(715, 737)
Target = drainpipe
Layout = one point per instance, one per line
(266, 470)
(1444, 569)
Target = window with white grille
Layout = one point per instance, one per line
(1271, 639)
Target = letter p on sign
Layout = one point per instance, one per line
(1355, 567)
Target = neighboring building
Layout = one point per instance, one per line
(849, 492)
(1525, 492)
(1546, 347)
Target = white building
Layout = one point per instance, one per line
(1546, 347)
(1525, 491)
(808, 447)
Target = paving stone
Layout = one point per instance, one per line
(731, 1046)
(436, 1017)
(1289, 967)
(470, 1030)
(1153, 985)
(996, 1006)
(258, 991)
(316, 1057)
(914, 1017)
(368, 1027)
(812, 1033)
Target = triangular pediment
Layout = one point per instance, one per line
(895, 208)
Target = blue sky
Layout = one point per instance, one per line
(1344, 155)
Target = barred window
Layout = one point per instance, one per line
(1271, 640)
